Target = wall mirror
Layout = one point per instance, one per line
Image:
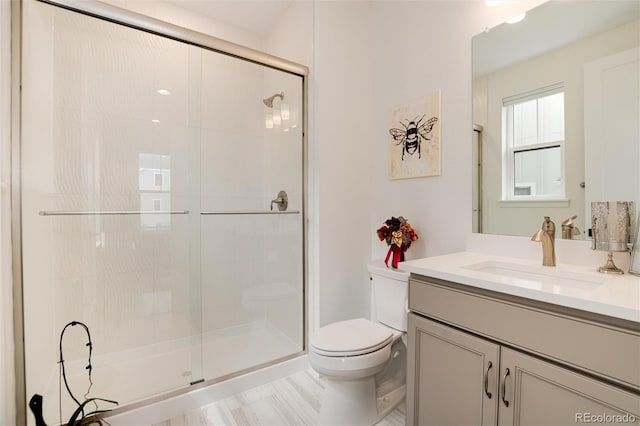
(555, 109)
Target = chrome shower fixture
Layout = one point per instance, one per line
(269, 101)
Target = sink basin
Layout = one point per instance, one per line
(536, 275)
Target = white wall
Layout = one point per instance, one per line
(292, 36)
(422, 47)
(370, 56)
(342, 137)
(173, 14)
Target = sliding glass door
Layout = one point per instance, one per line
(251, 250)
(162, 207)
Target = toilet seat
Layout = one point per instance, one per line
(350, 338)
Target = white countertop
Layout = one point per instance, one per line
(572, 286)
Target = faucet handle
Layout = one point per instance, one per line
(538, 235)
(547, 227)
(568, 228)
(569, 221)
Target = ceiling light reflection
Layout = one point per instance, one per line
(516, 19)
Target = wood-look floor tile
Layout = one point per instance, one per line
(291, 401)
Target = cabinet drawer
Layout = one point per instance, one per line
(604, 350)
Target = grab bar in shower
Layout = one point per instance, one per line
(100, 213)
(220, 213)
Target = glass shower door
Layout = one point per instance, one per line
(153, 182)
(108, 121)
(251, 246)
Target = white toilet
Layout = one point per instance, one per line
(364, 361)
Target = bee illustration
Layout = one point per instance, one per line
(411, 136)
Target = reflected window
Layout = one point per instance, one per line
(533, 145)
(155, 189)
(157, 178)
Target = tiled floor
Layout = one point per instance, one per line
(293, 400)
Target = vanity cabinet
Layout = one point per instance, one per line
(478, 357)
(536, 392)
(452, 376)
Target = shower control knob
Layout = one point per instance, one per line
(282, 201)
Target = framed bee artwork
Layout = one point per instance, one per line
(414, 138)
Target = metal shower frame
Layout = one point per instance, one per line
(141, 22)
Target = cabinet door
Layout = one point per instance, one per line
(452, 376)
(536, 392)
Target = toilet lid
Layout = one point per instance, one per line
(350, 338)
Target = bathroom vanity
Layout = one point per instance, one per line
(498, 340)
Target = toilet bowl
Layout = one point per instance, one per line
(351, 349)
(363, 361)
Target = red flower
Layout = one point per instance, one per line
(398, 235)
(407, 233)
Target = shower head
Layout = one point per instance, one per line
(269, 101)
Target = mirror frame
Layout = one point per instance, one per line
(634, 266)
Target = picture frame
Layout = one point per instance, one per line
(414, 144)
(634, 266)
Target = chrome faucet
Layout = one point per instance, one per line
(547, 235)
(568, 229)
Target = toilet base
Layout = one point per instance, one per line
(354, 402)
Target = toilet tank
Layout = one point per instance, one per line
(389, 295)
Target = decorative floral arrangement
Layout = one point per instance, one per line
(399, 235)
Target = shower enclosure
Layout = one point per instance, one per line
(161, 205)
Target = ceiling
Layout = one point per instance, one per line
(547, 27)
(256, 16)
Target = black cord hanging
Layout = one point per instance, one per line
(79, 415)
(61, 361)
